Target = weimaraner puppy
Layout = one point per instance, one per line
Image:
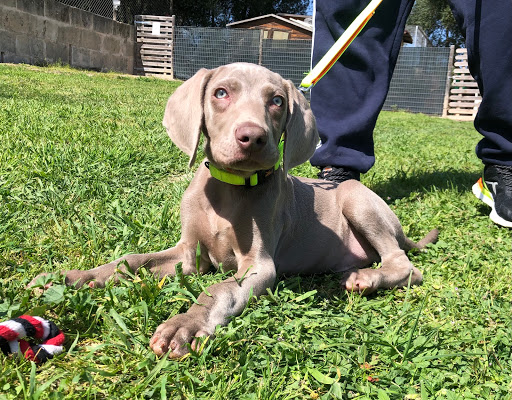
(247, 213)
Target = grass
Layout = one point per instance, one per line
(87, 174)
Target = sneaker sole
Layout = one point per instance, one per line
(482, 193)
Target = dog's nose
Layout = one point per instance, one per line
(251, 137)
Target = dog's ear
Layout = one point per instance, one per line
(301, 136)
(183, 116)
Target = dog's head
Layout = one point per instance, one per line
(243, 110)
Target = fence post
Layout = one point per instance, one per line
(260, 49)
(448, 81)
(136, 50)
(173, 36)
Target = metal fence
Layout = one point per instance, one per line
(290, 58)
(419, 82)
(119, 10)
(196, 48)
(418, 85)
(105, 8)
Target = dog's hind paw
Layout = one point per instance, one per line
(359, 281)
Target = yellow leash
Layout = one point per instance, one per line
(335, 52)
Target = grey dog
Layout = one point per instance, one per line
(247, 213)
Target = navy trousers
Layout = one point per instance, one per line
(348, 99)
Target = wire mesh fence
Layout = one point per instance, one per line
(419, 81)
(418, 85)
(289, 58)
(119, 10)
(196, 48)
(105, 8)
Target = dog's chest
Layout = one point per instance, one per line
(233, 224)
(224, 240)
(220, 242)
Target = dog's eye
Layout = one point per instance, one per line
(278, 101)
(221, 93)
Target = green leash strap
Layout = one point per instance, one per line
(339, 47)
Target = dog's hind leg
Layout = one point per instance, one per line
(396, 271)
(372, 219)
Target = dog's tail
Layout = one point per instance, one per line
(431, 237)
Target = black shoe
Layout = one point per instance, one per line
(495, 190)
(338, 174)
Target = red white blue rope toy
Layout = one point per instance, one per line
(13, 331)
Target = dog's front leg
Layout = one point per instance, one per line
(160, 263)
(224, 300)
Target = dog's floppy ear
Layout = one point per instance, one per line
(301, 136)
(183, 116)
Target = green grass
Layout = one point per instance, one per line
(87, 173)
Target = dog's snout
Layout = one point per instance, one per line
(251, 137)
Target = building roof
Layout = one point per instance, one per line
(299, 21)
(305, 22)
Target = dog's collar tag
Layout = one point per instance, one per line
(254, 179)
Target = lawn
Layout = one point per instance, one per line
(87, 173)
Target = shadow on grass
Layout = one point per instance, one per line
(402, 185)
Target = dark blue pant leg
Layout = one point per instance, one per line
(348, 99)
(488, 31)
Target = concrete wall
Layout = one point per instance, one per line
(46, 31)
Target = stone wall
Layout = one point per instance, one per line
(46, 31)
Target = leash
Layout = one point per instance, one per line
(320, 69)
(339, 47)
(13, 331)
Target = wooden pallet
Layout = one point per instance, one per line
(464, 98)
(154, 48)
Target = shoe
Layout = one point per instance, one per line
(495, 190)
(338, 174)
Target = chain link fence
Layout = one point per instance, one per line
(105, 8)
(119, 10)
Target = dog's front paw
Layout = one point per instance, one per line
(92, 278)
(73, 277)
(41, 281)
(176, 333)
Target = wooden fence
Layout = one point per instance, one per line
(154, 50)
(464, 97)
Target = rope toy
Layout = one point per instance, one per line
(13, 331)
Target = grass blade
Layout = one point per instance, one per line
(413, 330)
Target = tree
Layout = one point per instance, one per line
(436, 19)
(249, 9)
(210, 12)
(129, 8)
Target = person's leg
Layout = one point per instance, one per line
(488, 26)
(347, 100)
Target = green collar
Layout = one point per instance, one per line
(254, 179)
